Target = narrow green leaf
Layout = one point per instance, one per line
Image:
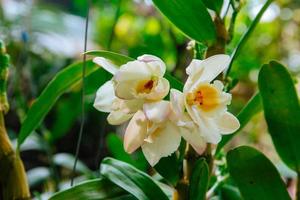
(98, 189)
(200, 26)
(67, 160)
(282, 111)
(247, 34)
(255, 175)
(134, 181)
(252, 108)
(199, 180)
(62, 82)
(118, 59)
(215, 5)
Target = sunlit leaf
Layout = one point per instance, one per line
(67, 160)
(98, 189)
(61, 83)
(282, 111)
(190, 16)
(255, 175)
(37, 175)
(134, 181)
(215, 5)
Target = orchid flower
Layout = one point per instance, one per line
(153, 130)
(133, 84)
(205, 102)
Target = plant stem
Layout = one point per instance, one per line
(247, 34)
(13, 181)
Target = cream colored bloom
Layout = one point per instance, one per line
(139, 79)
(204, 101)
(153, 130)
(132, 84)
(119, 110)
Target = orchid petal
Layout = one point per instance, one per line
(194, 138)
(136, 132)
(118, 117)
(106, 64)
(105, 97)
(177, 102)
(157, 112)
(157, 66)
(159, 92)
(133, 70)
(164, 142)
(228, 123)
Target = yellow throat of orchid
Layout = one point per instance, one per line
(206, 97)
(146, 86)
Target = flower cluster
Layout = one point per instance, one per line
(137, 91)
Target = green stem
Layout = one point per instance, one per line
(247, 34)
(112, 33)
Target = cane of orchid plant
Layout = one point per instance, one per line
(198, 114)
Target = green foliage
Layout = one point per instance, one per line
(282, 111)
(247, 34)
(97, 189)
(134, 181)
(199, 27)
(215, 5)
(250, 109)
(62, 82)
(171, 174)
(255, 175)
(199, 180)
(115, 147)
(229, 192)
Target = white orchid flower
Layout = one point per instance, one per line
(132, 84)
(205, 102)
(120, 110)
(139, 79)
(153, 130)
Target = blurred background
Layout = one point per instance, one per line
(45, 36)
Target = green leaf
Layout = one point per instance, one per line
(62, 82)
(199, 180)
(171, 174)
(98, 189)
(251, 108)
(255, 175)
(215, 5)
(282, 111)
(247, 34)
(120, 59)
(229, 192)
(200, 26)
(37, 175)
(115, 147)
(67, 160)
(134, 181)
